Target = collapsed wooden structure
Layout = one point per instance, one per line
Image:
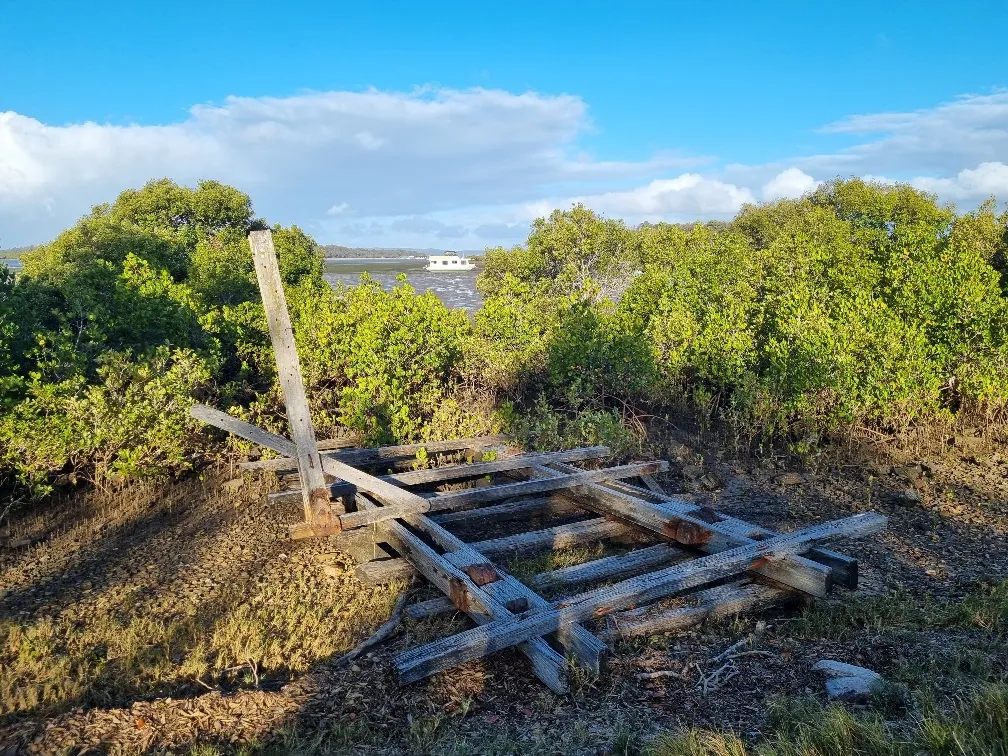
(722, 564)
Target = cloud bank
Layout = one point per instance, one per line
(463, 169)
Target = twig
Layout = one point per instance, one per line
(380, 634)
(731, 649)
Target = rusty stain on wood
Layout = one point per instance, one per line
(481, 574)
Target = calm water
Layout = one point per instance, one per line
(454, 289)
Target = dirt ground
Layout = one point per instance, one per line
(173, 619)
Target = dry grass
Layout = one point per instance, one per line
(235, 612)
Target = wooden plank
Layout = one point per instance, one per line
(548, 665)
(456, 472)
(652, 484)
(508, 510)
(340, 489)
(717, 603)
(606, 568)
(556, 537)
(421, 661)
(587, 649)
(396, 509)
(493, 594)
(315, 492)
(699, 527)
(476, 469)
(362, 480)
(845, 568)
(384, 454)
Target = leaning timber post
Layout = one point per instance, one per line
(315, 490)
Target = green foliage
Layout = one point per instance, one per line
(859, 303)
(384, 364)
(862, 303)
(113, 328)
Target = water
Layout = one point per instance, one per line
(456, 289)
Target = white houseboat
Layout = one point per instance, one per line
(448, 263)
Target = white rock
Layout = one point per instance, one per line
(853, 688)
(833, 668)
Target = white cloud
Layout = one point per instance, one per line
(945, 139)
(969, 184)
(474, 167)
(789, 184)
(298, 157)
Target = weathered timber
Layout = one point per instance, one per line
(457, 472)
(328, 444)
(395, 509)
(336, 490)
(383, 454)
(387, 491)
(709, 604)
(652, 484)
(507, 510)
(556, 537)
(845, 568)
(482, 582)
(424, 660)
(695, 526)
(315, 492)
(383, 571)
(606, 568)
(548, 665)
(517, 462)
(588, 650)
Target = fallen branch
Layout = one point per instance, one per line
(380, 634)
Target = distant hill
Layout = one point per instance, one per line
(14, 252)
(338, 250)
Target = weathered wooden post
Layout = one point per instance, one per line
(315, 490)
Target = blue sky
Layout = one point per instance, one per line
(453, 124)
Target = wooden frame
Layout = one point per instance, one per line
(688, 549)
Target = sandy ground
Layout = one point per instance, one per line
(193, 542)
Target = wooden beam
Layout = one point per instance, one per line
(517, 462)
(709, 604)
(556, 537)
(383, 454)
(401, 508)
(424, 660)
(606, 568)
(492, 594)
(698, 527)
(457, 472)
(315, 491)
(844, 567)
(507, 510)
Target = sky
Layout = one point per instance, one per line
(454, 125)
